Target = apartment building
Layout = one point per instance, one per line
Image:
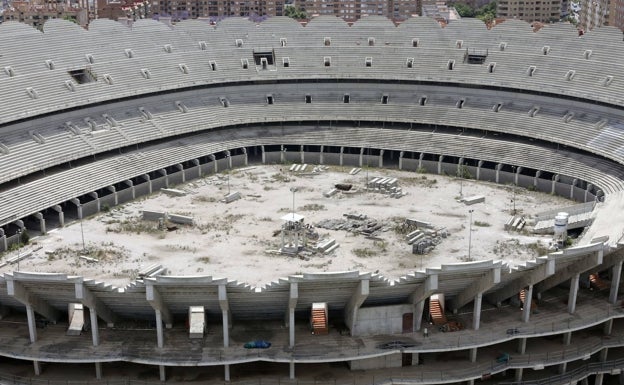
(534, 10)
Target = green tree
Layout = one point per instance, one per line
(464, 10)
(295, 13)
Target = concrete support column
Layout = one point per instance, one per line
(415, 359)
(616, 273)
(245, 157)
(225, 314)
(567, 338)
(321, 155)
(380, 162)
(76, 201)
(195, 164)
(3, 240)
(440, 159)
(479, 165)
(226, 372)
(226, 329)
(420, 159)
(538, 173)
(473, 355)
(181, 169)
(282, 154)
(96, 198)
(401, 160)
(95, 333)
(419, 308)
(37, 367)
(517, 173)
(498, 169)
(163, 375)
(149, 183)
(574, 183)
(589, 187)
(292, 304)
(518, 376)
(603, 354)
(598, 380)
(585, 381)
(159, 329)
(42, 224)
(341, 156)
(263, 155)
(291, 373)
(608, 327)
(554, 183)
(476, 315)
(522, 345)
(98, 370)
(361, 161)
(32, 326)
(113, 191)
(526, 310)
(574, 286)
(215, 164)
(561, 368)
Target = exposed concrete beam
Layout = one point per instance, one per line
(489, 279)
(356, 300)
(292, 304)
(424, 291)
(533, 276)
(225, 314)
(20, 293)
(87, 298)
(157, 303)
(579, 266)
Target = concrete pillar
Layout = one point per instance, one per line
(263, 155)
(95, 333)
(42, 224)
(518, 376)
(526, 310)
(420, 159)
(341, 156)
(98, 370)
(113, 191)
(574, 183)
(32, 326)
(415, 359)
(554, 183)
(96, 198)
(616, 273)
(163, 375)
(181, 169)
(603, 354)
(149, 183)
(598, 380)
(291, 374)
(440, 159)
(159, 329)
(215, 164)
(567, 338)
(419, 308)
(589, 187)
(361, 162)
(574, 286)
(473, 355)
(3, 241)
(498, 169)
(226, 328)
(538, 173)
(476, 315)
(321, 155)
(585, 381)
(561, 368)
(226, 372)
(401, 160)
(522, 345)
(282, 154)
(37, 367)
(608, 327)
(76, 201)
(479, 165)
(516, 174)
(380, 162)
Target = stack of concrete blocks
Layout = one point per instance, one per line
(197, 321)
(298, 167)
(425, 238)
(180, 219)
(152, 270)
(385, 185)
(153, 215)
(173, 192)
(327, 246)
(515, 223)
(355, 171)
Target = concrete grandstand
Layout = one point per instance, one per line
(101, 117)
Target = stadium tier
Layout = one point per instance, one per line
(99, 117)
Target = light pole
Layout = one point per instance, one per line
(470, 234)
(293, 190)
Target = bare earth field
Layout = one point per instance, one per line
(232, 240)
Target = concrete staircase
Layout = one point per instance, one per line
(597, 283)
(319, 318)
(437, 313)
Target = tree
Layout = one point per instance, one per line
(295, 13)
(464, 10)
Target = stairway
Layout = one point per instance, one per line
(437, 313)
(597, 283)
(319, 318)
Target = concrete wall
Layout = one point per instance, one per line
(158, 183)
(487, 174)
(312, 157)
(352, 160)
(388, 361)
(380, 320)
(175, 178)
(89, 208)
(124, 195)
(331, 158)
(410, 164)
(191, 173)
(141, 189)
